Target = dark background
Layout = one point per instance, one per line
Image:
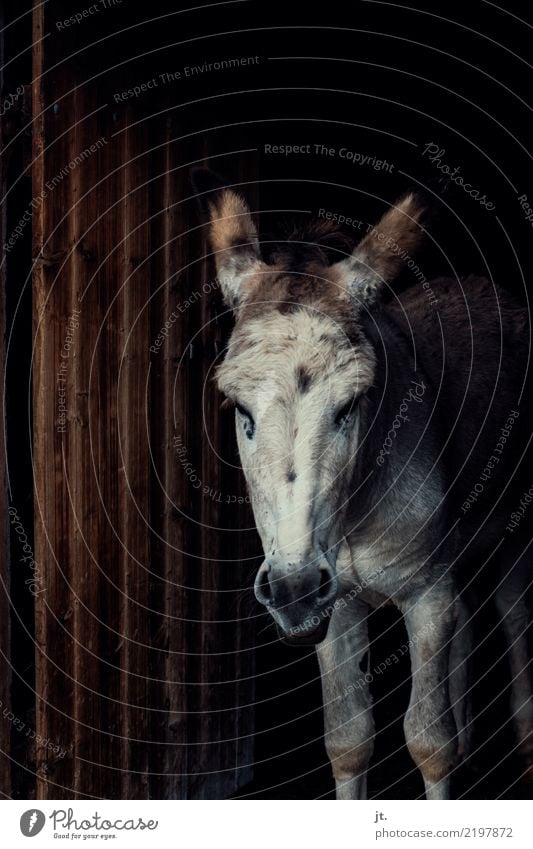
(377, 79)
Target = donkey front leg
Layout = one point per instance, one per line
(513, 609)
(460, 683)
(429, 724)
(348, 722)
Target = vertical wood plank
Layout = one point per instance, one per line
(53, 610)
(93, 460)
(134, 428)
(173, 432)
(84, 525)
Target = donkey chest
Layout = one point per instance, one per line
(382, 573)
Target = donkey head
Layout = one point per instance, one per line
(297, 369)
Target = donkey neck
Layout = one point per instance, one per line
(397, 443)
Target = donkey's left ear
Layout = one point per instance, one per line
(378, 258)
(232, 234)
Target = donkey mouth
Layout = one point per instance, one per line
(304, 637)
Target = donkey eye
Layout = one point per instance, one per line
(249, 424)
(345, 411)
(243, 411)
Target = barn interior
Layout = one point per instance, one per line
(142, 653)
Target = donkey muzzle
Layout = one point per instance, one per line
(299, 596)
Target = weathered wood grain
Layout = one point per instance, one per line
(144, 658)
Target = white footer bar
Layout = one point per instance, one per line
(268, 824)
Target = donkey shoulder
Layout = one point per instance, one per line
(465, 304)
(473, 347)
(470, 326)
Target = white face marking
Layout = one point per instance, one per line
(297, 383)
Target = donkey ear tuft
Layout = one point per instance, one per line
(232, 235)
(378, 258)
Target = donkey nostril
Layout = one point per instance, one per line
(324, 583)
(263, 592)
(327, 585)
(264, 583)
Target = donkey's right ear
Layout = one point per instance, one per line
(232, 234)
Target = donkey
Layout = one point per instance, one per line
(382, 438)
